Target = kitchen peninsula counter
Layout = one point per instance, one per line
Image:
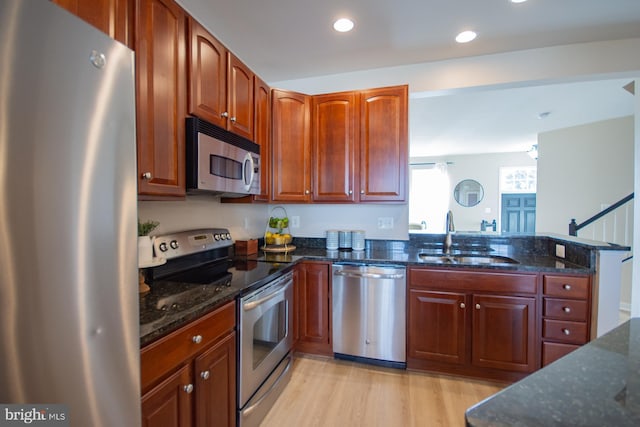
(596, 385)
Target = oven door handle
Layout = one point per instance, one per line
(248, 306)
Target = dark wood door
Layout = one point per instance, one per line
(262, 135)
(291, 147)
(239, 97)
(519, 213)
(215, 378)
(504, 332)
(169, 404)
(437, 325)
(207, 76)
(384, 144)
(112, 17)
(335, 136)
(314, 306)
(161, 97)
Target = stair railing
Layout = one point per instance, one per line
(575, 227)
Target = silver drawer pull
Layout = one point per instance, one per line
(197, 339)
(188, 388)
(478, 307)
(566, 331)
(566, 287)
(566, 309)
(204, 375)
(462, 305)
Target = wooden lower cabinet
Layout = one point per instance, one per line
(189, 376)
(313, 307)
(168, 403)
(457, 323)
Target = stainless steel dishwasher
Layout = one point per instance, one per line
(369, 320)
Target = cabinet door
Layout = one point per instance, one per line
(291, 147)
(262, 135)
(207, 76)
(215, 378)
(112, 17)
(504, 332)
(161, 97)
(239, 97)
(314, 308)
(169, 404)
(384, 144)
(437, 326)
(334, 147)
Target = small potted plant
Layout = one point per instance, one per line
(145, 247)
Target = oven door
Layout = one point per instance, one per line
(266, 333)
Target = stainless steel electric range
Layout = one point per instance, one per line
(200, 267)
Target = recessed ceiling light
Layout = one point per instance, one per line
(544, 115)
(343, 25)
(466, 36)
(518, 1)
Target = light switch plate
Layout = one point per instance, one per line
(560, 251)
(295, 222)
(385, 223)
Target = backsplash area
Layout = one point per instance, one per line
(246, 221)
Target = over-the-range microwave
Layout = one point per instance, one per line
(220, 162)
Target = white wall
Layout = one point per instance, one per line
(484, 168)
(580, 169)
(246, 221)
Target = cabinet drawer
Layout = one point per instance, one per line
(566, 286)
(159, 358)
(552, 351)
(560, 330)
(566, 309)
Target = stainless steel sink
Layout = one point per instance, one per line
(472, 259)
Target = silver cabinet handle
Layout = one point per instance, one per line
(233, 119)
(566, 309)
(350, 191)
(197, 339)
(225, 114)
(188, 388)
(478, 307)
(204, 375)
(566, 331)
(462, 305)
(566, 287)
(361, 191)
(146, 175)
(307, 191)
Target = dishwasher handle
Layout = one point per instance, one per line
(366, 275)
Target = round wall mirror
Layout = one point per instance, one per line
(468, 193)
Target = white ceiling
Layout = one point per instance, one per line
(290, 39)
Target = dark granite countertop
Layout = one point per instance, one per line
(596, 385)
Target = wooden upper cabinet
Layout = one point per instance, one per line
(112, 17)
(220, 86)
(291, 147)
(335, 141)
(207, 76)
(161, 97)
(384, 144)
(239, 97)
(262, 135)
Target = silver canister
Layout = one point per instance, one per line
(357, 240)
(345, 239)
(332, 240)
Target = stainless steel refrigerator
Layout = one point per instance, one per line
(69, 327)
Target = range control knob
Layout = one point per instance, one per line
(228, 236)
(216, 237)
(174, 244)
(163, 246)
(223, 237)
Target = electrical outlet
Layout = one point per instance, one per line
(560, 251)
(385, 223)
(295, 222)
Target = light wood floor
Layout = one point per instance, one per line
(328, 392)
